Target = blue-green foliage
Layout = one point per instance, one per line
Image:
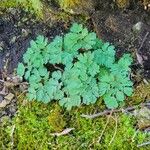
(83, 69)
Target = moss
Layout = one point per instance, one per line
(6, 140)
(126, 3)
(69, 4)
(32, 128)
(140, 94)
(35, 121)
(39, 8)
(35, 7)
(56, 119)
(77, 6)
(8, 3)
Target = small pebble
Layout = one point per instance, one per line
(137, 27)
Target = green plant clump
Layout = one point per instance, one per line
(75, 68)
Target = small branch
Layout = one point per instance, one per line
(133, 137)
(11, 135)
(25, 91)
(143, 144)
(106, 112)
(64, 132)
(99, 139)
(11, 83)
(115, 130)
(144, 39)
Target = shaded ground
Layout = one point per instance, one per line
(129, 31)
(17, 28)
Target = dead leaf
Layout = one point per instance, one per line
(9, 97)
(3, 104)
(64, 132)
(9, 84)
(139, 58)
(3, 92)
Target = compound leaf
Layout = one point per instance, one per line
(20, 69)
(110, 102)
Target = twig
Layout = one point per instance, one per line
(147, 33)
(143, 144)
(106, 112)
(56, 67)
(99, 139)
(22, 93)
(133, 137)
(11, 135)
(64, 132)
(115, 130)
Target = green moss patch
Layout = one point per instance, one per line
(34, 123)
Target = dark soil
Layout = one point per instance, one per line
(17, 28)
(117, 27)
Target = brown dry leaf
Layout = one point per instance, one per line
(14, 79)
(9, 97)
(9, 84)
(3, 91)
(3, 104)
(139, 58)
